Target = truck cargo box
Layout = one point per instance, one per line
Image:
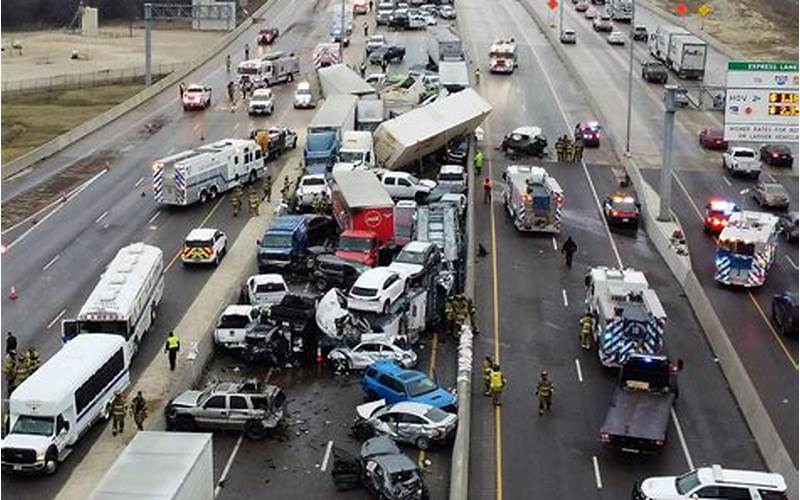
(339, 79)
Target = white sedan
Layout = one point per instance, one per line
(376, 290)
(366, 353)
(616, 38)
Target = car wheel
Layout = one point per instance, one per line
(185, 423)
(386, 306)
(255, 430)
(341, 365)
(423, 443)
(251, 179)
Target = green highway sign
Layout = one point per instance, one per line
(762, 66)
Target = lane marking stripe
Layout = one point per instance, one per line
(598, 480)
(102, 216)
(578, 369)
(228, 465)
(52, 261)
(564, 295)
(326, 456)
(55, 320)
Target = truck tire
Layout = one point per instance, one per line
(251, 179)
(185, 423)
(51, 462)
(255, 430)
(203, 196)
(423, 443)
(212, 193)
(291, 77)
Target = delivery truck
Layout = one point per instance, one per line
(686, 56)
(364, 212)
(425, 130)
(161, 465)
(659, 41)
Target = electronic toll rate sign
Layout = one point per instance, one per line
(761, 103)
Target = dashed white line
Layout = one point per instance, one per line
(141, 180)
(791, 262)
(154, 217)
(578, 369)
(55, 320)
(236, 126)
(102, 216)
(326, 457)
(228, 465)
(196, 126)
(564, 295)
(725, 179)
(770, 177)
(170, 150)
(682, 439)
(126, 148)
(52, 261)
(555, 244)
(598, 480)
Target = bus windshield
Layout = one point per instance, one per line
(112, 327)
(37, 426)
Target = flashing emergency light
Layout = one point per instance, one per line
(724, 206)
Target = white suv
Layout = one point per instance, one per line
(402, 185)
(204, 245)
(376, 290)
(713, 482)
(310, 186)
(261, 103)
(742, 161)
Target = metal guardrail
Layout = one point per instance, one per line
(86, 79)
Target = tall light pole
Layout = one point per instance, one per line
(672, 94)
(560, 18)
(342, 34)
(630, 80)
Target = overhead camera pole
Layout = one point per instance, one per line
(630, 80)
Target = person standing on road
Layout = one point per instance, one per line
(21, 372)
(139, 410)
(586, 323)
(10, 371)
(384, 65)
(244, 90)
(569, 150)
(236, 200)
(266, 185)
(253, 203)
(228, 63)
(545, 389)
(366, 29)
(34, 361)
(246, 52)
(577, 154)
(487, 191)
(561, 147)
(181, 89)
(172, 346)
(488, 363)
(497, 382)
(231, 91)
(370, 5)
(11, 343)
(118, 409)
(363, 69)
(478, 162)
(568, 249)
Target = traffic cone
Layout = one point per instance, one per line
(319, 355)
(13, 293)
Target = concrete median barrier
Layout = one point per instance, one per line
(194, 330)
(28, 160)
(755, 414)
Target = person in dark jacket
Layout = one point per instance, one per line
(568, 249)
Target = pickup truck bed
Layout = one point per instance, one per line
(638, 420)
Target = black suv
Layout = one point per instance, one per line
(654, 72)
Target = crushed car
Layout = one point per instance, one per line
(527, 140)
(419, 424)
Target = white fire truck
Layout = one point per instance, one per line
(628, 317)
(203, 173)
(533, 198)
(125, 299)
(746, 249)
(275, 67)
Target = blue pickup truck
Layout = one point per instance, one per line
(292, 242)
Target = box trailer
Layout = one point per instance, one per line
(453, 75)
(422, 131)
(687, 56)
(660, 39)
(339, 79)
(369, 115)
(443, 45)
(161, 465)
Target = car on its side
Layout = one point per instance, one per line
(784, 312)
(771, 195)
(654, 72)
(418, 424)
(712, 139)
(776, 155)
(376, 290)
(616, 38)
(713, 482)
(386, 380)
(196, 97)
(346, 358)
(568, 36)
(242, 406)
(204, 246)
(622, 209)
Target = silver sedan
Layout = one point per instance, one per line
(419, 424)
(771, 195)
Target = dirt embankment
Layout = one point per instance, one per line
(760, 29)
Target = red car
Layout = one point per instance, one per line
(717, 214)
(267, 36)
(713, 139)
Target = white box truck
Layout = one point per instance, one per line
(161, 465)
(370, 114)
(426, 129)
(443, 45)
(658, 43)
(356, 151)
(453, 75)
(687, 56)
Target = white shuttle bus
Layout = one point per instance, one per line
(60, 401)
(125, 299)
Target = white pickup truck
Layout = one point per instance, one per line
(742, 161)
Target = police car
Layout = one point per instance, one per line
(717, 214)
(204, 246)
(621, 209)
(589, 132)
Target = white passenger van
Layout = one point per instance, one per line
(61, 400)
(125, 299)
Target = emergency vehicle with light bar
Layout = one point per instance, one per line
(125, 299)
(503, 56)
(203, 173)
(628, 316)
(534, 200)
(717, 214)
(746, 249)
(204, 246)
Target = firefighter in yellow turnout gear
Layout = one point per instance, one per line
(586, 323)
(497, 382)
(545, 389)
(253, 203)
(236, 200)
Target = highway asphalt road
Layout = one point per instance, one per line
(698, 178)
(530, 304)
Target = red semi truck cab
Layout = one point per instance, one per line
(365, 214)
